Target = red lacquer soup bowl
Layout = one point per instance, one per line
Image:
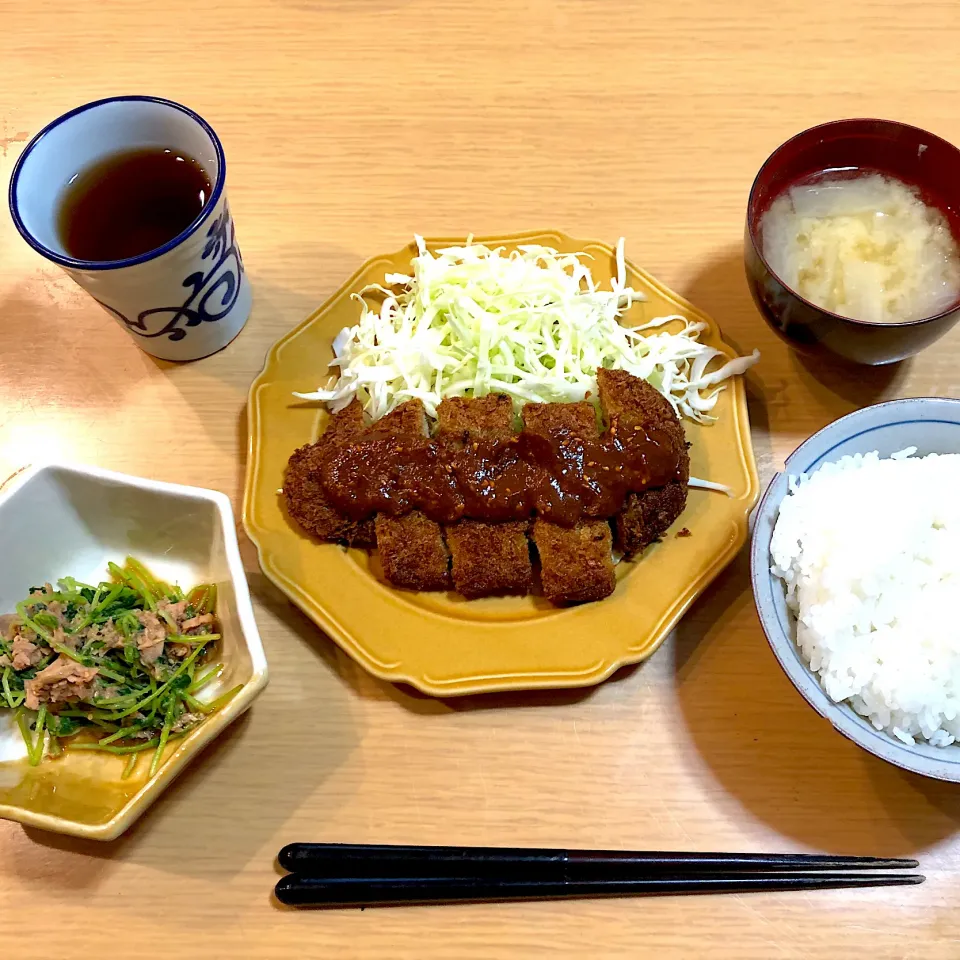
(910, 154)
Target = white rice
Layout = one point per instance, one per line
(869, 552)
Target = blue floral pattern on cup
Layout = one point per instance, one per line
(213, 291)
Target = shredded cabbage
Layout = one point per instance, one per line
(470, 320)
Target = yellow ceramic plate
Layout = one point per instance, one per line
(441, 643)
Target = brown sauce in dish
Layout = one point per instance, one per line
(559, 477)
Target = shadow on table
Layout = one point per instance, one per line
(302, 277)
(776, 756)
(859, 385)
(720, 288)
(102, 364)
(418, 702)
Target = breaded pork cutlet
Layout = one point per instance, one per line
(483, 418)
(304, 495)
(488, 558)
(628, 401)
(576, 564)
(412, 550)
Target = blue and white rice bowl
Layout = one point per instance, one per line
(931, 426)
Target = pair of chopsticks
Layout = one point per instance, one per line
(367, 875)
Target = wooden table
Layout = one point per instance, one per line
(347, 126)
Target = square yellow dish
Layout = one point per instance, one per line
(439, 642)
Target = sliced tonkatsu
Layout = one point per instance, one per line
(304, 495)
(488, 558)
(576, 563)
(461, 508)
(484, 418)
(413, 553)
(627, 402)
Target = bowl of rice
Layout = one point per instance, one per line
(855, 562)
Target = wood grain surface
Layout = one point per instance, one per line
(349, 124)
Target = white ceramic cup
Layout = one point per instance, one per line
(184, 300)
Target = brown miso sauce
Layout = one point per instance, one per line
(131, 203)
(561, 478)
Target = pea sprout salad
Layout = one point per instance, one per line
(119, 667)
(532, 323)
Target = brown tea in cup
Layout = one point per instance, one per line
(130, 203)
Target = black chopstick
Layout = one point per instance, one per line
(382, 861)
(303, 891)
(359, 875)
